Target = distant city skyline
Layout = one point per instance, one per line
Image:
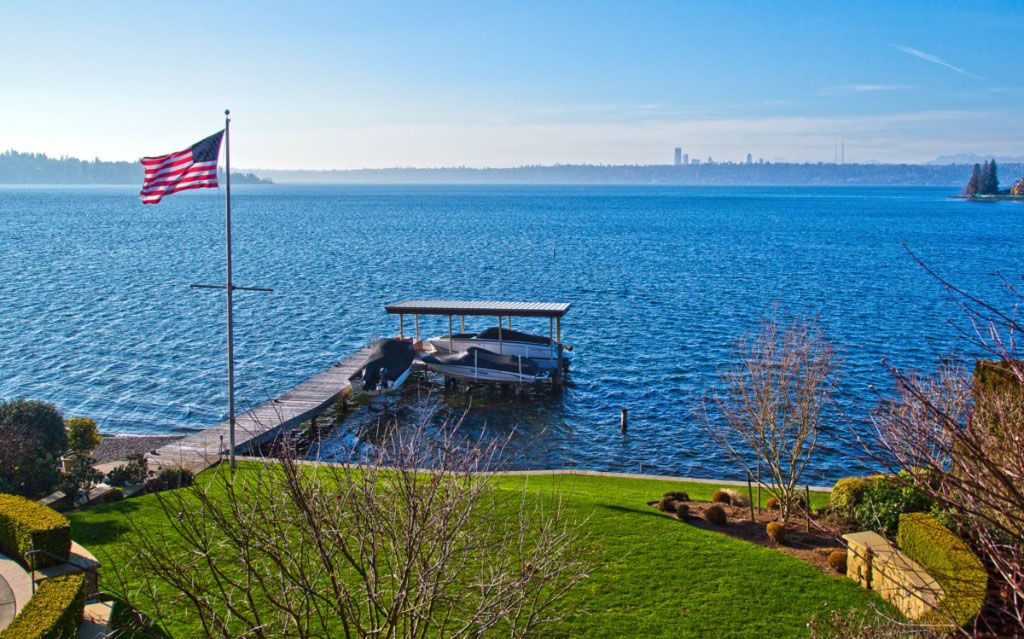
(322, 85)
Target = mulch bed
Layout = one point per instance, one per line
(812, 547)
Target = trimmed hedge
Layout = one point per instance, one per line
(53, 612)
(26, 525)
(950, 561)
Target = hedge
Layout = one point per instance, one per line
(26, 525)
(950, 561)
(53, 612)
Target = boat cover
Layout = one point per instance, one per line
(392, 357)
(486, 359)
(508, 335)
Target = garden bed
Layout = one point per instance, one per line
(812, 547)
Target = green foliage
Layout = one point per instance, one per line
(950, 561)
(32, 438)
(721, 497)
(716, 515)
(776, 532)
(136, 471)
(837, 559)
(53, 612)
(884, 500)
(80, 479)
(27, 525)
(83, 435)
(170, 478)
(682, 510)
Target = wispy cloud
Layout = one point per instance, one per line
(934, 59)
(865, 88)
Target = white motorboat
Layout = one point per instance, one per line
(479, 365)
(386, 369)
(503, 342)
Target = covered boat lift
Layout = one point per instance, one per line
(502, 310)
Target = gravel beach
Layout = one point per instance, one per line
(118, 447)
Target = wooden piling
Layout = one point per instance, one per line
(750, 497)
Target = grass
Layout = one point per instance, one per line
(656, 577)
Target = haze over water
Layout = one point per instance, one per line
(96, 314)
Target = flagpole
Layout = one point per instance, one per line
(229, 287)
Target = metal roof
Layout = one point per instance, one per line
(463, 307)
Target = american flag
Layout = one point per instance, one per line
(193, 168)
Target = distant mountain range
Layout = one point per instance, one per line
(971, 158)
(37, 168)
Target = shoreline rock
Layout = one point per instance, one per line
(118, 447)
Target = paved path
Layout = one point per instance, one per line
(15, 589)
(201, 450)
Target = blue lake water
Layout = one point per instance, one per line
(96, 314)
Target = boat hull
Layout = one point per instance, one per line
(537, 352)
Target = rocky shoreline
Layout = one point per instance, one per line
(118, 447)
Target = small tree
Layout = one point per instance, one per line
(960, 436)
(768, 412)
(83, 436)
(416, 541)
(81, 478)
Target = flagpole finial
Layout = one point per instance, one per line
(227, 111)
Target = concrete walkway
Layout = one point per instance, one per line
(15, 590)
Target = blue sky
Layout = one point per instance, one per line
(343, 85)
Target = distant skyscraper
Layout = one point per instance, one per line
(686, 158)
(750, 159)
(679, 156)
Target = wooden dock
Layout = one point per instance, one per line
(201, 450)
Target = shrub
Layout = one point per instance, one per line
(776, 532)
(53, 612)
(136, 471)
(716, 515)
(735, 497)
(678, 495)
(83, 436)
(721, 497)
(81, 478)
(950, 561)
(682, 511)
(170, 478)
(883, 502)
(847, 493)
(32, 438)
(772, 504)
(26, 525)
(837, 559)
(666, 504)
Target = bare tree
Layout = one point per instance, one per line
(768, 413)
(960, 437)
(425, 546)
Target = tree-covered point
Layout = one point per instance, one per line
(984, 180)
(38, 168)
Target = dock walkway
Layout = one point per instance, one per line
(201, 450)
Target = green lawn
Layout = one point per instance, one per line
(656, 577)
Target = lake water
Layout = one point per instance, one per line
(96, 314)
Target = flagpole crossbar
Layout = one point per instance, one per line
(234, 288)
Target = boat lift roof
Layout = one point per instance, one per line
(464, 307)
